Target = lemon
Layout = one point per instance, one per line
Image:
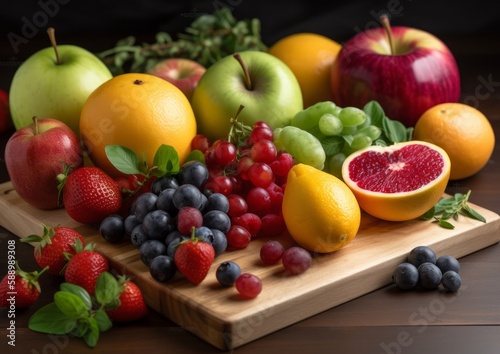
(321, 213)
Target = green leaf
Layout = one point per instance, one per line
(50, 319)
(107, 289)
(332, 144)
(78, 291)
(374, 110)
(91, 337)
(195, 155)
(81, 328)
(124, 159)
(394, 130)
(166, 160)
(103, 320)
(468, 211)
(70, 304)
(445, 224)
(429, 214)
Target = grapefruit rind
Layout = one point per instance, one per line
(399, 206)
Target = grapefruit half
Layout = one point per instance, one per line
(398, 182)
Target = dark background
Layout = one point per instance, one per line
(97, 25)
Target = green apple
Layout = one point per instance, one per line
(55, 82)
(262, 83)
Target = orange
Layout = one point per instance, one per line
(398, 182)
(139, 111)
(310, 57)
(321, 213)
(462, 131)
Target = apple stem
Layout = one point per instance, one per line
(248, 82)
(384, 20)
(35, 124)
(51, 32)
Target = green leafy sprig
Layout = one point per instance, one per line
(452, 207)
(75, 312)
(393, 131)
(209, 38)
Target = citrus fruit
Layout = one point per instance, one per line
(138, 111)
(462, 131)
(398, 182)
(321, 213)
(309, 56)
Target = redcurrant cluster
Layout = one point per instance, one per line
(248, 169)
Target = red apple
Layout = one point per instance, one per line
(36, 154)
(181, 72)
(5, 118)
(406, 70)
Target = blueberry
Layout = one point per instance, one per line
(165, 202)
(421, 254)
(130, 223)
(157, 224)
(150, 249)
(193, 172)
(227, 273)
(220, 241)
(112, 228)
(451, 281)
(446, 263)
(162, 268)
(405, 276)
(205, 234)
(217, 201)
(429, 275)
(138, 236)
(187, 195)
(216, 219)
(173, 235)
(172, 246)
(164, 182)
(143, 204)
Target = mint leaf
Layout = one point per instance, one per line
(166, 161)
(103, 320)
(78, 291)
(332, 144)
(195, 155)
(394, 130)
(107, 289)
(50, 319)
(374, 110)
(70, 304)
(124, 159)
(91, 336)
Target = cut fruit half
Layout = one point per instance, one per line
(398, 182)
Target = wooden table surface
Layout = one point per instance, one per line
(384, 321)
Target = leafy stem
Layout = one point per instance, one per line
(452, 207)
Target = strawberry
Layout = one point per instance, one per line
(19, 288)
(89, 194)
(132, 305)
(84, 268)
(193, 258)
(50, 248)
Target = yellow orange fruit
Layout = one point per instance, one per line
(398, 182)
(139, 111)
(310, 57)
(321, 213)
(462, 131)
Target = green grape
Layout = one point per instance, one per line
(302, 145)
(309, 117)
(349, 130)
(352, 116)
(360, 142)
(371, 130)
(335, 164)
(330, 125)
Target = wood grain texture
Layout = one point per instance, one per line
(220, 317)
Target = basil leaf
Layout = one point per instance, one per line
(332, 144)
(195, 155)
(107, 289)
(103, 320)
(446, 224)
(394, 130)
(78, 291)
(428, 215)
(70, 304)
(166, 161)
(374, 110)
(124, 159)
(91, 337)
(81, 328)
(50, 319)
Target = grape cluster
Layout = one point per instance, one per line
(251, 172)
(423, 268)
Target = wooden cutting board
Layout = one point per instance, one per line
(220, 317)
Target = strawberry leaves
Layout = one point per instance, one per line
(74, 311)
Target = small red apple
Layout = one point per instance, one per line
(36, 154)
(181, 72)
(5, 118)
